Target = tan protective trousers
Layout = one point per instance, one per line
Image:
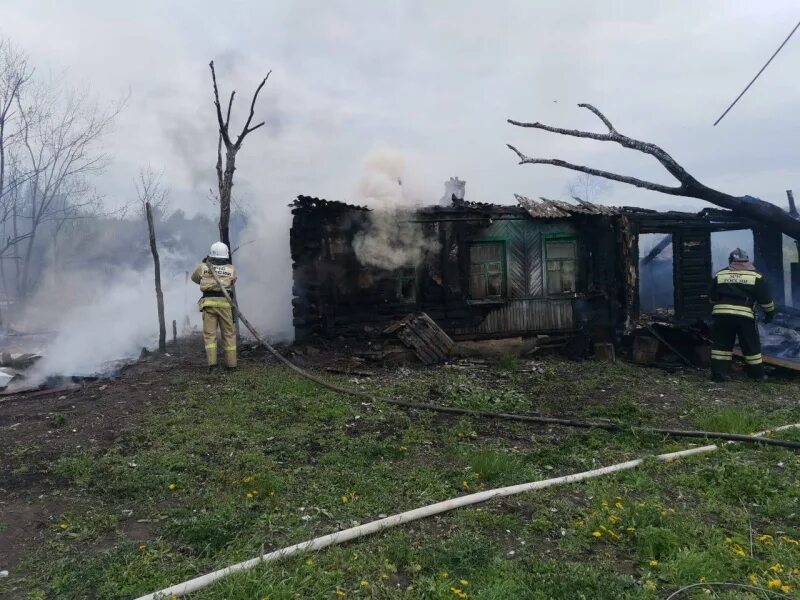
(219, 316)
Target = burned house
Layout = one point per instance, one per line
(535, 267)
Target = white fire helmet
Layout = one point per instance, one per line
(218, 250)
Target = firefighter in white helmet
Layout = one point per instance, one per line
(217, 311)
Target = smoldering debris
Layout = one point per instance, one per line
(782, 342)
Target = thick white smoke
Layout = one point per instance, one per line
(263, 260)
(99, 318)
(390, 242)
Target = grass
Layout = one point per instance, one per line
(261, 459)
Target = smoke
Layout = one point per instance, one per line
(264, 264)
(390, 241)
(101, 319)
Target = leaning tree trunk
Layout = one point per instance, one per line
(744, 206)
(162, 326)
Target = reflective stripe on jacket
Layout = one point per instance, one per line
(204, 303)
(212, 295)
(735, 292)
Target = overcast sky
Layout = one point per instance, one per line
(435, 80)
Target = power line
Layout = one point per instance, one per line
(758, 74)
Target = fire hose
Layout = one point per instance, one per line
(608, 426)
(373, 527)
(408, 516)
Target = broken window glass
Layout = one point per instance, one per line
(561, 265)
(487, 271)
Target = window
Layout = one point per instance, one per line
(407, 285)
(561, 262)
(487, 271)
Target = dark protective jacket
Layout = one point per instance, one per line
(736, 291)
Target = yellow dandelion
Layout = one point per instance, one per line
(444, 574)
(309, 562)
(752, 579)
(613, 518)
(596, 534)
(63, 526)
(786, 588)
(249, 495)
(702, 580)
(465, 485)
(403, 449)
(776, 568)
(774, 584)
(650, 585)
(345, 499)
(630, 529)
(340, 593)
(247, 479)
(618, 505)
(766, 538)
(463, 582)
(172, 486)
(364, 583)
(653, 563)
(142, 546)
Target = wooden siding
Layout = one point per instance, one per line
(531, 315)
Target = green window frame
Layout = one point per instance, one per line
(561, 265)
(487, 270)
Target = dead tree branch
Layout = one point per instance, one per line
(225, 174)
(745, 206)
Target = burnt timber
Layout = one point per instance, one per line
(534, 267)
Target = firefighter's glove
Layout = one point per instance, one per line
(769, 316)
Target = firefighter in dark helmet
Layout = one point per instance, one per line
(734, 293)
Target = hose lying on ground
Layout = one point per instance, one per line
(733, 437)
(352, 533)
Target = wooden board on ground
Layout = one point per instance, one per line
(774, 361)
(420, 333)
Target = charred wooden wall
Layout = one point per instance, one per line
(691, 246)
(335, 295)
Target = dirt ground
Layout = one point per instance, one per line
(35, 430)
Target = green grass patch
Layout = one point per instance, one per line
(262, 459)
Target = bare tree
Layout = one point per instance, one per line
(232, 147)
(152, 194)
(745, 206)
(15, 73)
(60, 135)
(587, 187)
